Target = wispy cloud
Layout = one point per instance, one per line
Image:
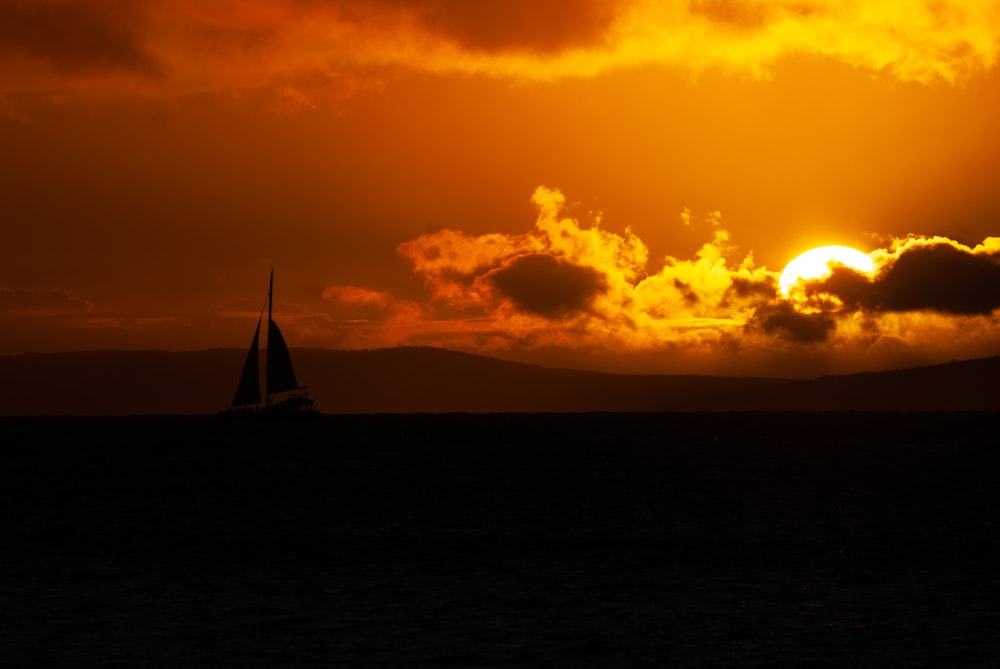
(37, 303)
(307, 46)
(77, 39)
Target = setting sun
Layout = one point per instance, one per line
(818, 263)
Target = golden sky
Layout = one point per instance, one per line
(610, 184)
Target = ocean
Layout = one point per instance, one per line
(502, 540)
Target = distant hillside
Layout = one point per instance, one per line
(968, 385)
(417, 380)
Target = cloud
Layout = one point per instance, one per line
(316, 48)
(497, 26)
(112, 322)
(739, 15)
(782, 319)
(946, 40)
(568, 286)
(921, 274)
(547, 286)
(536, 40)
(365, 318)
(576, 284)
(943, 277)
(77, 38)
(25, 302)
(356, 295)
(290, 100)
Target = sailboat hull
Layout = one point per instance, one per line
(293, 406)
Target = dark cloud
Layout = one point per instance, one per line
(746, 15)
(783, 320)
(547, 286)
(939, 277)
(730, 12)
(508, 25)
(844, 290)
(688, 293)
(854, 289)
(743, 288)
(75, 37)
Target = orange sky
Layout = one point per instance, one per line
(610, 184)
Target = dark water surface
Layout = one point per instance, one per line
(595, 540)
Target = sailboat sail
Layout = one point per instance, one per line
(280, 375)
(248, 391)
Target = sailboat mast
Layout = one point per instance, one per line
(270, 302)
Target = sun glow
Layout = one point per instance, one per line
(818, 263)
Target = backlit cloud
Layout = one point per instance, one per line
(572, 285)
(922, 274)
(299, 47)
(941, 275)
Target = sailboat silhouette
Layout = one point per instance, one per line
(282, 394)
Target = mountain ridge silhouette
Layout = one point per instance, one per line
(434, 380)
